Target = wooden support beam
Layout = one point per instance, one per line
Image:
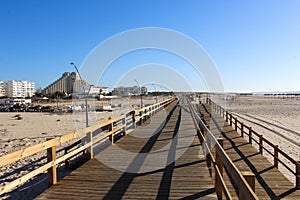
(133, 119)
(261, 144)
(111, 136)
(141, 118)
(89, 137)
(218, 183)
(298, 175)
(276, 156)
(250, 135)
(250, 178)
(242, 129)
(236, 124)
(51, 157)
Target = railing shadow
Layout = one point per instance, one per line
(259, 178)
(123, 183)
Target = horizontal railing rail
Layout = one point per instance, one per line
(220, 161)
(111, 127)
(261, 141)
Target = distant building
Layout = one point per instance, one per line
(2, 89)
(17, 88)
(128, 91)
(69, 83)
(99, 89)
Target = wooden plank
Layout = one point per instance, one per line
(270, 183)
(187, 177)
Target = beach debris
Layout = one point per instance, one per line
(44, 133)
(3, 130)
(18, 117)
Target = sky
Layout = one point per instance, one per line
(253, 44)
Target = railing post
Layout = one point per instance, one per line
(236, 124)
(145, 115)
(133, 119)
(141, 118)
(51, 157)
(242, 129)
(261, 144)
(230, 119)
(250, 135)
(111, 136)
(124, 122)
(208, 158)
(276, 156)
(250, 178)
(89, 137)
(218, 184)
(298, 175)
(226, 116)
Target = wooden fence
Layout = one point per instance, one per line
(244, 182)
(262, 142)
(90, 135)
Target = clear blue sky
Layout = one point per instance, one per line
(255, 45)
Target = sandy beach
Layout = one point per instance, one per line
(277, 119)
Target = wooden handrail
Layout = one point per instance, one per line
(51, 145)
(261, 141)
(206, 137)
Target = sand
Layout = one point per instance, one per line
(278, 121)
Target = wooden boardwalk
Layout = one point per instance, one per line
(172, 133)
(270, 182)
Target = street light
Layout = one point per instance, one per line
(85, 96)
(140, 92)
(155, 91)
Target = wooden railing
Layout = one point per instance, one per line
(221, 160)
(262, 142)
(89, 138)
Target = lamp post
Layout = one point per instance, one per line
(85, 96)
(155, 91)
(140, 92)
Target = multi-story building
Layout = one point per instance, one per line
(128, 91)
(98, 90)
(17, 88)
(69, 83)
(2, 89)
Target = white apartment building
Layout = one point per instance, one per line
(2, 89)
(69, 83)
(16, 88)
(99, 89)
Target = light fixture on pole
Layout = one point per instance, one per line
(85, 96)
(140, 89)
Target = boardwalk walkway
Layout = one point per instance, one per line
(269, 183)
(172, 138)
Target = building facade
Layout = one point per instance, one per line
(128, 91)
(19, 89)
(99, 90)
(68, 83)
(2, 89)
